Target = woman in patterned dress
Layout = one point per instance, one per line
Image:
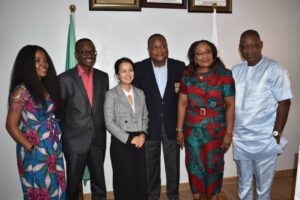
(205, 118)
(34, 96)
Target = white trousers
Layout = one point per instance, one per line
(263, 171)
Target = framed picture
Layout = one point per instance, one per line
(164, 3)
(222, 6)
(115, 5)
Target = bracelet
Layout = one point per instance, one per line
(179, 129)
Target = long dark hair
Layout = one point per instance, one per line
(24, 71)
(192, 67)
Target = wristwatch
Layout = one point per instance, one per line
(275, 133)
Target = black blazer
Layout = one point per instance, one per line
(82, 124)
(161, 110)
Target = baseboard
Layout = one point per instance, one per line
(285, 173)
(278, 174)
(226, 181)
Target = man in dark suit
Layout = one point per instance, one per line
(159, 78)
(83, 128)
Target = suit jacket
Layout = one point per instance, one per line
(120, 117)
(161, 109)
(82, 124)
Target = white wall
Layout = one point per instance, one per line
(118, 34)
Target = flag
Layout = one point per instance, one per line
(70, 63)
(214, 32)
(70, 57)
(86, 175)
(297, 187)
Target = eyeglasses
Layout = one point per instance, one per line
(86, 52)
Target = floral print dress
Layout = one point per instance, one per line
(41, 171)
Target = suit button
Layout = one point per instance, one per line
(162, 102)
(125, 121)
(161, 115)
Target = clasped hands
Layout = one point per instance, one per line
(138, 141)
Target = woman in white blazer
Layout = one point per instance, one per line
(126, 118)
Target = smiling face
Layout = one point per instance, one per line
(158, 51)
(250, 48)
(125, 73)
(203, 55)
(86, 55)
(41, 63)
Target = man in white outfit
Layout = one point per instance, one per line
(263, 96)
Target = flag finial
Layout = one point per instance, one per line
(214, 6)
(72, 8)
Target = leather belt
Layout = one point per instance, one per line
(200, 111)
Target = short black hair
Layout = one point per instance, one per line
(249, 32)
(155, 35)
(120, 61)
(80, 41)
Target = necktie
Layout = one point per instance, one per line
(130, 99)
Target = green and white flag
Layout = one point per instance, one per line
(70, 57)
(70, 63)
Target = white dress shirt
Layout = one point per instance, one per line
(258, 89)
(130, 93)
(161, 77)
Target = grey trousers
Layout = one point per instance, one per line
(171, 159)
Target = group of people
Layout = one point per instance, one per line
(202, 108)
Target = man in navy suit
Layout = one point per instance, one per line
(159, 78)
(83, 128)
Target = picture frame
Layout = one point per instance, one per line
(115, 5)
(179, 4)
(222, 6)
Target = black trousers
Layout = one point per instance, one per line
(171, 158)
(129, 170)
(76, 163)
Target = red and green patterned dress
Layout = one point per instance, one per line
(204, 127)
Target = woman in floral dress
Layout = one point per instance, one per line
(205, 118)
(34, 97)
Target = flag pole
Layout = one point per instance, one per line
(214, 31)
(214, 6)
(72, 8)
(70, 56)
(70, 63)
